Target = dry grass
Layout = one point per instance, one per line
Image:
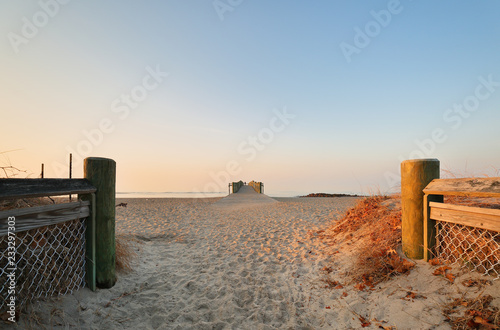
(491, 203)
(476, 248)
(374, 226)
(463, 313)
(10, 204)
(126, 247)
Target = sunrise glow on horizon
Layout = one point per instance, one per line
(306, 97)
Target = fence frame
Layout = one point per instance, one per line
(99, 188)
(435, 210)
(31, 188)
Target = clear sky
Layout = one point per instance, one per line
(310, 96)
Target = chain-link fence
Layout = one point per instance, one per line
(49, 261)
(474, 248)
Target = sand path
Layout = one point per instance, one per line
(223, 264)
(238, 263)
(210, 264)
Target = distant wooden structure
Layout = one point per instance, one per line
(258, 186)
(235, 186)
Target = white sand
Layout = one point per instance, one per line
(211, 264)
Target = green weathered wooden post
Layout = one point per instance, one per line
(415, 176)
(90, 242)
(101, 172)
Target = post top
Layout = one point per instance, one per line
(421, 160)
(99, 159)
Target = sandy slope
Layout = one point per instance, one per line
(205, 265)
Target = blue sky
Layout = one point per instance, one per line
(204, 77)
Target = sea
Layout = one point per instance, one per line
(183, 194)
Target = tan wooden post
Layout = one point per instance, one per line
(416, 174)
(101, 172)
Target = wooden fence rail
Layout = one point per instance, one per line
(477, 217)
(42, 216)
(29, 188)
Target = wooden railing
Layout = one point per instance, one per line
(236, 186)
(41, 216)
(28, 188)
(96, 201)
(435, 210)
(257, 186)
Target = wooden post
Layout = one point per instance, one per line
(430, 226)
(101, 172)
(90, 243)
(70, 170)
(416, 174)
(42, 174)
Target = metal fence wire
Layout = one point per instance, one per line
(49, 261)
(475, 248)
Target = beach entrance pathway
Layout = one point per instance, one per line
(246, 261)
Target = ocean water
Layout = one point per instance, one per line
(181, 194)
(168, 194)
